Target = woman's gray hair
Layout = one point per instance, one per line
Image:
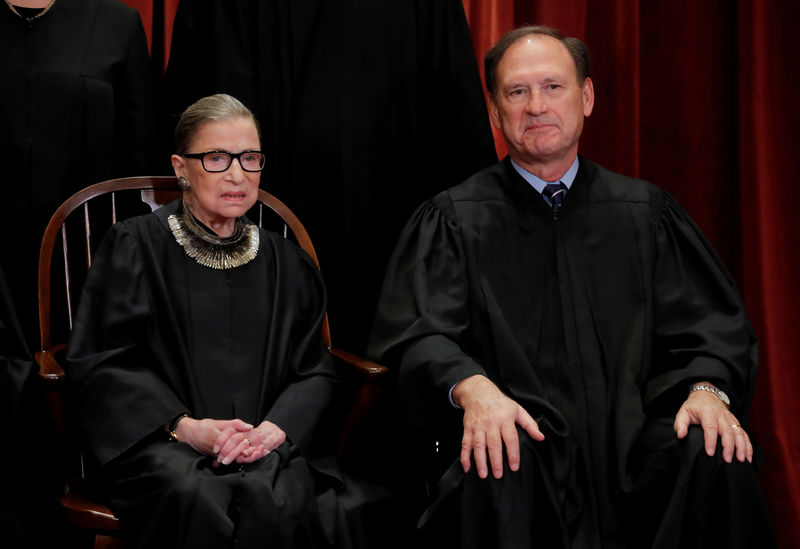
(209, 109)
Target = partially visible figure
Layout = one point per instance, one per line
(196, 360)
(76, 107)
(570, 350)
(16, 372)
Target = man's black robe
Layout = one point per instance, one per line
(76, 107)
(157, 334)
(596, 320)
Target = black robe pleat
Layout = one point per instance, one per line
(22, 497)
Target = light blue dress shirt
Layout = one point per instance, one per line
(567, 179)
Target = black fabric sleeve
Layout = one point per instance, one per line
(701, 329)
(118, 393)
(134, 105)
(300, 407)
(423, 311)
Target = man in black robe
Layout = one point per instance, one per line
(565, 329)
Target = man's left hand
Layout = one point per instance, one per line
(707, 410)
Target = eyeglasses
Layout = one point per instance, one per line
(219, 161)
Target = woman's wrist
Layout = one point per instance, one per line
(173, 431)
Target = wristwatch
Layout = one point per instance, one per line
(711, 389)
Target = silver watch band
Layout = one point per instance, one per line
(711, 389)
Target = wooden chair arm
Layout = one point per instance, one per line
(49, 368)
(367, 370)
(53, 384)
(86, 513)
(367, 376)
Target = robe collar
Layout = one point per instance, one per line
(531, 204)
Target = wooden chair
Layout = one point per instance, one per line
(82, 511)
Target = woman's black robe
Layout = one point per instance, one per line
(157, 334)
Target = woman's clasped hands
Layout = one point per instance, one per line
(230, 440)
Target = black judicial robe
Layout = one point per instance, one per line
(16, 374)
(596, 320)
(76, 107)
(366, 89)
(16, 365)
(157, 334)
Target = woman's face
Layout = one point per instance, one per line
(217, 199)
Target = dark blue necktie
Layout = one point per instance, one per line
(556, 193)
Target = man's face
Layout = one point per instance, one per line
(539, 104)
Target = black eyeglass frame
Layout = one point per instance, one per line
(232, 156)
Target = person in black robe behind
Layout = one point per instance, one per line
(574, 364)
(196, 361)
(76, 107)
(352, 96)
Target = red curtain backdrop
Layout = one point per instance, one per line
(157, 17)
(699, 98)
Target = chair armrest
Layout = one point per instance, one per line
(367, 377)
(87, 513)
(53, 377)
(49, 368)
(366, 369)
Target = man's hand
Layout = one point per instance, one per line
(707, 410)
(490, 421)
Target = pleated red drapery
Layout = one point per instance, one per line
(157, 17)
(769, 116)
(696, 97)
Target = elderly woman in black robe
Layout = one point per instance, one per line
(196, 359)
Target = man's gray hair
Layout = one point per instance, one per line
(576, 48)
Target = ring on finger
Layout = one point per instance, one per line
(247, 440)
(736, 426)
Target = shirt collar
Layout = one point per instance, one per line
(567, 179)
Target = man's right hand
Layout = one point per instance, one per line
(490, 421)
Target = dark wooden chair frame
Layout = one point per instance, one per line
(82, 511)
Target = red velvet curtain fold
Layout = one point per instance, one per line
(157, 17)
(769, 116)
(697, 97)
